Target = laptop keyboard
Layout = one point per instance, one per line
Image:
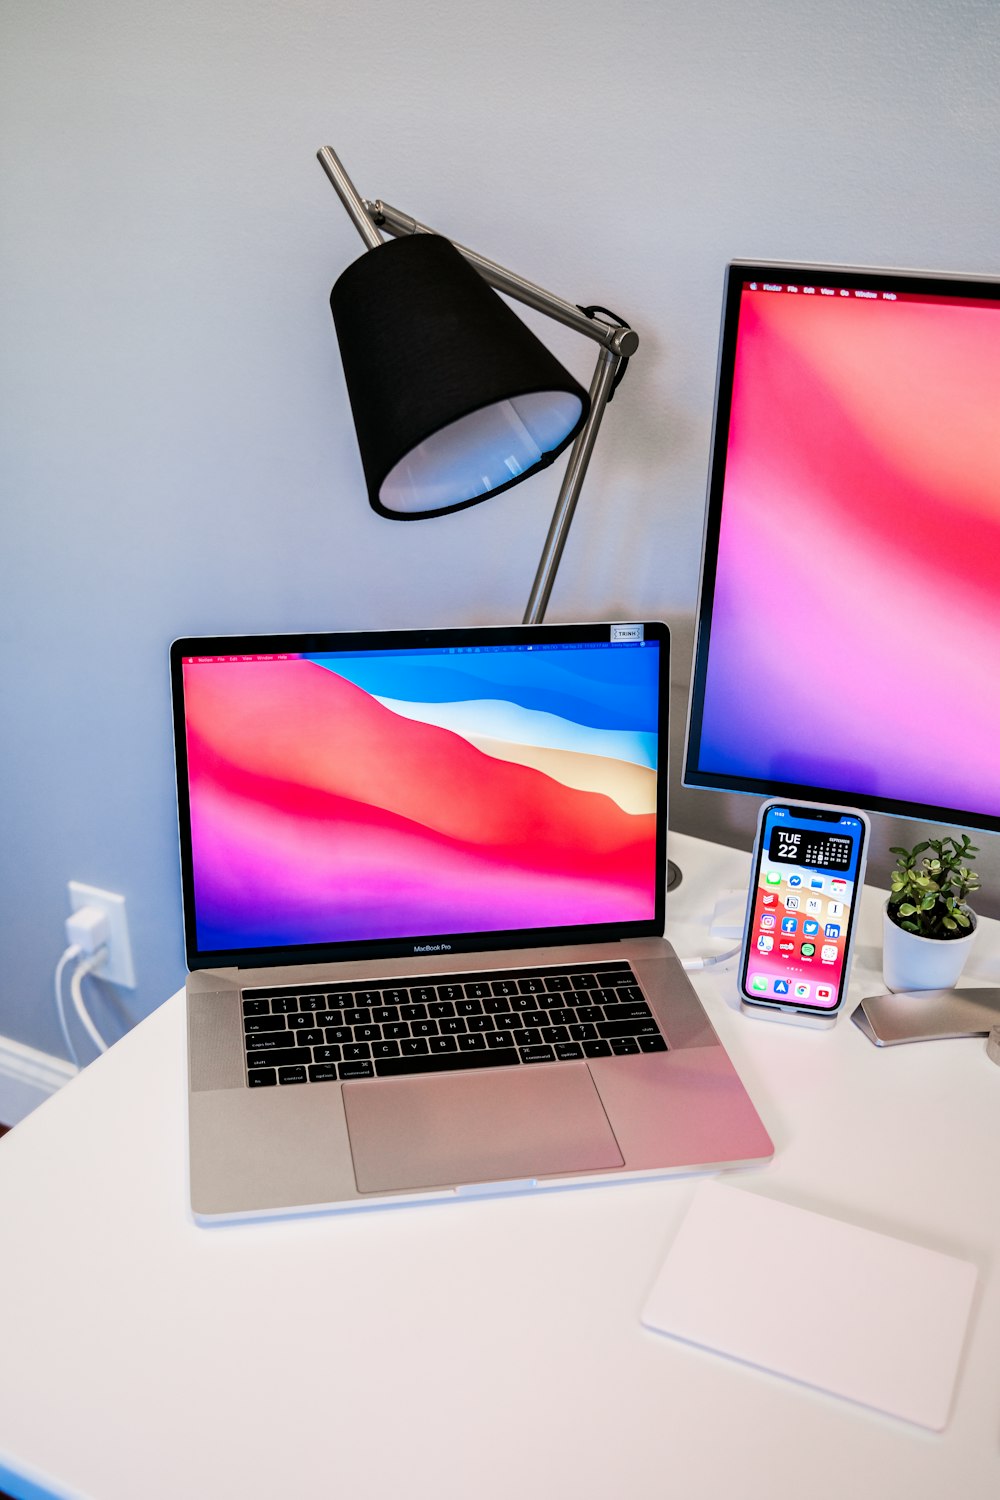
(326, 1033)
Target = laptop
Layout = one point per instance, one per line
(424, 891)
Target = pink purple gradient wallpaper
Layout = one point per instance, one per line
(357, 798)
(856, 620)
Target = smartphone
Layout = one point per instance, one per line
(808, 873)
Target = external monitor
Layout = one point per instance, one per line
(848, 636)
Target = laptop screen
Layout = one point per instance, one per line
(413, 792)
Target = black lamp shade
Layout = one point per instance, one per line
(454, 398)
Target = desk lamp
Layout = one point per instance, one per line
(454, 398)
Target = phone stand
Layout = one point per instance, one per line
(790, 1017)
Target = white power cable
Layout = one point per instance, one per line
(92, 961)
(73, 951)
(87, 933)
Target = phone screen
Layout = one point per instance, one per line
(806, 878)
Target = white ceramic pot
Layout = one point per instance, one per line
(910, 962)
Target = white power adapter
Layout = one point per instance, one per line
(88, 929)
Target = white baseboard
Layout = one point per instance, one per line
(27, 1078)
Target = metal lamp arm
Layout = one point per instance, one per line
(370, 217)
(576, 469)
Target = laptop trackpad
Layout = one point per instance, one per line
(432, 1131)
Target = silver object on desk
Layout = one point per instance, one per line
(927, 1015)
(993, 1045)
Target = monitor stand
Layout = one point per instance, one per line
(927, 1015)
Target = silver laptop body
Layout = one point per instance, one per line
(423, 878)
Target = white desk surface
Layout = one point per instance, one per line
(486, 1348)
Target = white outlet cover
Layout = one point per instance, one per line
(119, 968)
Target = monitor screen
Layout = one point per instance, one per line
(849, 617)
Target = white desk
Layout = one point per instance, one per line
(489, 1348)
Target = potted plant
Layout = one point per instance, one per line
(928, 928)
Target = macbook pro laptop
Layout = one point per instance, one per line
(424, 889)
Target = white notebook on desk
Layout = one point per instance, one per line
(841, 1308)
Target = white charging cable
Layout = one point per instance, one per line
(691, 965)
(87, 932)
(84, 967)
(71, 952)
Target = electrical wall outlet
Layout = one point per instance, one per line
(117, 967)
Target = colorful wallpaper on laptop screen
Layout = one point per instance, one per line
(856, 625)
(350, 798)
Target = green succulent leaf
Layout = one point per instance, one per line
(930, 884)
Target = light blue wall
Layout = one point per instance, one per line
(177, 452)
